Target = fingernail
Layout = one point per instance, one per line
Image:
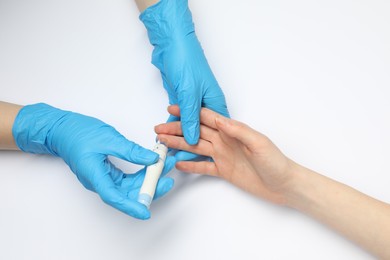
(163, 140)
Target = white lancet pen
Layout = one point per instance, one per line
(152, 175)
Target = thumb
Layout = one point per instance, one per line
(190, 105)
(113, 197)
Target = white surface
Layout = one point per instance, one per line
(312, 75)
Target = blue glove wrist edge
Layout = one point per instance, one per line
(32, 126)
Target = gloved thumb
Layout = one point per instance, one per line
(111, 196)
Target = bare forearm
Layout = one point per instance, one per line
(8, 114)
(359, 217)
(143, 4)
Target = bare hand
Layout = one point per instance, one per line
(241, 155)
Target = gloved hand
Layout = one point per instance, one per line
(187, 76)
(84, 143)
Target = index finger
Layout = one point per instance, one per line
(207, 116)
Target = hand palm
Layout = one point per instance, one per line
(240, 166)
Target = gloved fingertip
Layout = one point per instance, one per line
(185, 156)
(191, 133)
(146, 215)
(146, 157)
(191, 140)
(143, 217)
(142, 212)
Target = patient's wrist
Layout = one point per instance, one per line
(143, 4)
(298, 188)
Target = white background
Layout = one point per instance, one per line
(312, 75)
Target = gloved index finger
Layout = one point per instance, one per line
(207, 116)
(127, 150)
(190, 106)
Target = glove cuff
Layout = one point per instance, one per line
(32, 127)
(167, 19)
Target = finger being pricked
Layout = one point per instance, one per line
(174, 128)
(208, 168)
(207, 116)
(171, 128)
(177, 142)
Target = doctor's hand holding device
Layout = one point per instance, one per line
(85, 143)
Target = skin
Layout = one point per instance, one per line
(8, 114)
(249, 160)
(143, 4)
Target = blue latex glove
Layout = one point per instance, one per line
(84, 143)
(187, 76)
